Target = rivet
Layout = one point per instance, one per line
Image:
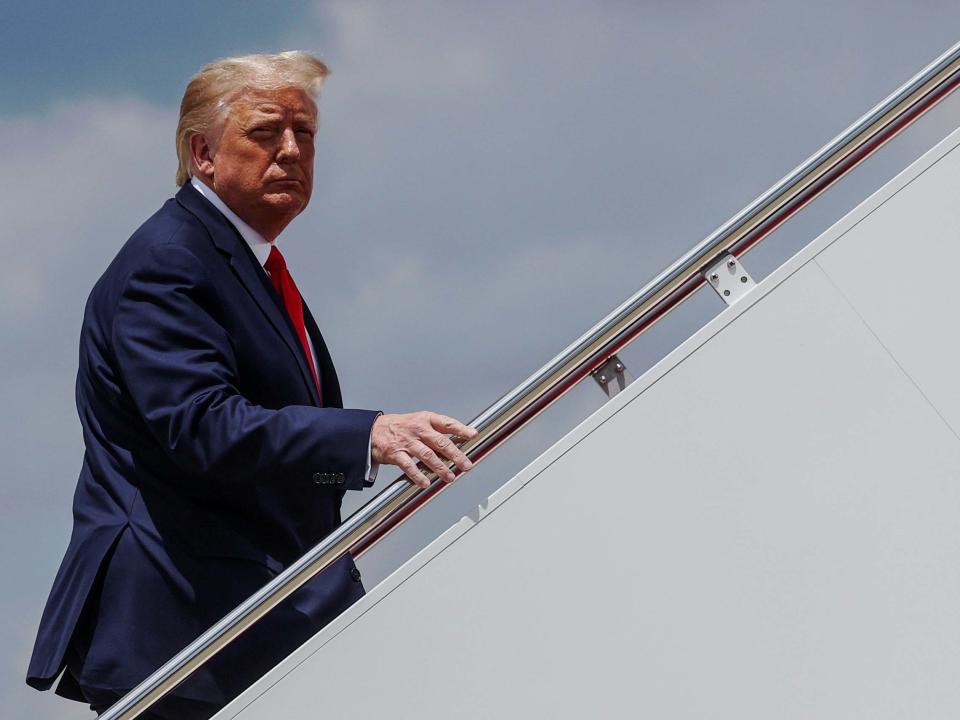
(743, 278)
(726, 293)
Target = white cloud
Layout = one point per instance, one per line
(386, 66)
(77, 180)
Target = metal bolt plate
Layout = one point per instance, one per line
(727, 276)
(612, 376)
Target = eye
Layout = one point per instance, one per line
(262, 131)
(306, 131)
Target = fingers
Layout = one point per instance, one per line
(452, 427)
(410, 469)
(429, 458)
(448, 449)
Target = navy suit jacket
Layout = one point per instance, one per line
(209, 466)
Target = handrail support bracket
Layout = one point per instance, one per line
(612, 376)
(729, 278)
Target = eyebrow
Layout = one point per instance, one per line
(260, 114)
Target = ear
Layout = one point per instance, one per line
(202, 156)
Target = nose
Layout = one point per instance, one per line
(289, 150)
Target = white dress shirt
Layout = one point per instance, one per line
(261, 250)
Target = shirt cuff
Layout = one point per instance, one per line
(372, 467)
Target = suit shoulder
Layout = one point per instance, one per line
(170, 225)
(169, 228)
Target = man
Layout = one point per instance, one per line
(217, 449)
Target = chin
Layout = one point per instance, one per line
(290, 202)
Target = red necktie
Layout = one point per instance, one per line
(283, 282)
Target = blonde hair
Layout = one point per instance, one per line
(209, 93)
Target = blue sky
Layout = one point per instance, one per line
(491, 179)
(56, 51)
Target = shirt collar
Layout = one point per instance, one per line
(258, 244)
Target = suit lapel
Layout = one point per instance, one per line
(251, 275)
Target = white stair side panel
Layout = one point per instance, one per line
(899, 267)
(767, 529)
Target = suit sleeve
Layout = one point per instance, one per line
(179, 366)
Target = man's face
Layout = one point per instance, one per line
(262, 164)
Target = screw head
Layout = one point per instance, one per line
(603, 378)
(731, 263)
(714, 277)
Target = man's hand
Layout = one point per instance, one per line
(401, 440)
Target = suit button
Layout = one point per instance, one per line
(340, 479)
(355, 574)
(318, 478)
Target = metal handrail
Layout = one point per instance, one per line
(506, 416)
